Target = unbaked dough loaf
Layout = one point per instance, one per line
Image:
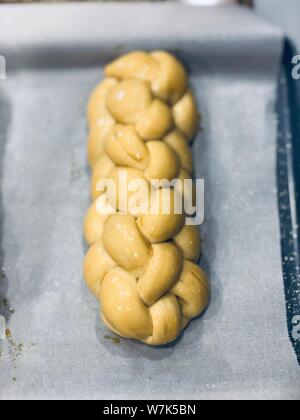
(143, 267)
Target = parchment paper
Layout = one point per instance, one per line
(56, 347)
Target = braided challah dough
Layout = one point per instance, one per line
(143, 266)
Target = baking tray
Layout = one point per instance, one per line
(288, 176)
(56, 346)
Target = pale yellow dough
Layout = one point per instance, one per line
(143, 267)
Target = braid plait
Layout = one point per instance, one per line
(142, 266)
